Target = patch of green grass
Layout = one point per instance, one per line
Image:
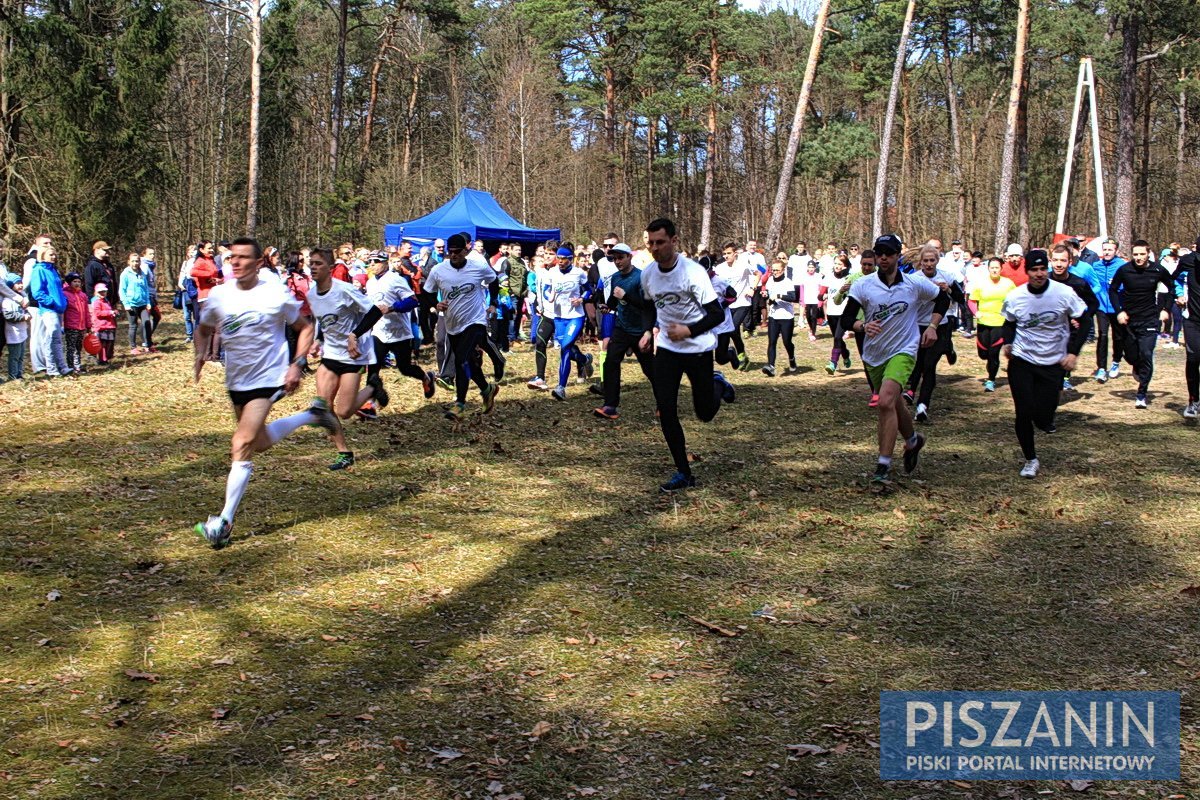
(508, 602)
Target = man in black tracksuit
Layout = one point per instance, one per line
(1188, 295)
(1060, 270)
(1133, 293)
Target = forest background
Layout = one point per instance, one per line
(132, 120)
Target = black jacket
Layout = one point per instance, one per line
(98, 271)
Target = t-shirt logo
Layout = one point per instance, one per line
(668, 299)
(235, 322)
(328, 320)
(890, 310)
(1039, 318)
(461, 290)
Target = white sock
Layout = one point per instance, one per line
(285, 426)
(235, 487)
(885, 460)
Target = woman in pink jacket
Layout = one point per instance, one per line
(76, 320)
(105, 322)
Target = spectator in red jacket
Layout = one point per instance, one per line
(76, 320)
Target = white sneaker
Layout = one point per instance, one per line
(1030, 470)
(922, 413)
(1114, 370)
(1192, 410)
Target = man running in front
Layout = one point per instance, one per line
(889, 301)
(682, 296)
(252, 315)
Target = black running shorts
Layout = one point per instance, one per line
(341, 367)
(241, 397)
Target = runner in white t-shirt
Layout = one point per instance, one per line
(340, 310)
(889, 300)
(687, 311)
(252, 315)
(743, 279)
(393, 295)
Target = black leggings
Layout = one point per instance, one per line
(988, 341)
(402, 352)
(135, 322)
(740, 316)
(1191, 367)
(620, 343)
(924, 375)
(1035, 390)
(541, 338)
(839, 346)
(669, 368)
(775, 329)
(1103, 323)
(812, 313)
(468, 361)
(726, 353)
(1140, 337)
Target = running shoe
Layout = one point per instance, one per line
(678, 482)
(769, 370)
(792, 370)
(910, 396)
(589, 368)
(500, 363)
(989, 386)
(559, 393)
(606, 412)
(445, 383)
(728, 393)
(812, 337)
(912, 453)
(489, 397)
(381, 393)
(429, 384)
(1140, 401)
(1101, 375)
(344, 460)
(1030, 470)
(216, 531)
(873, 402)
(1192, 410)
(151, 349)
(1050, 427)
(744, 363)
(880, 475)
(367, 411)
(952, 357)
(846, 362)
(324, 418)
(597, 389)
(831, 368)
(1067, 387)
(922, 413)
(456, 411)
(537, 383)
(1115, 369)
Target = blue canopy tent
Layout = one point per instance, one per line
(470, 211)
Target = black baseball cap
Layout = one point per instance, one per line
(1036, 258)
(889, 243)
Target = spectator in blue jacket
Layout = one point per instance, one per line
(135, 295)
(46, 287)
(1103, 271)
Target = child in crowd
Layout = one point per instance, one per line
(76, 320)
(16, 330)
(105, 323)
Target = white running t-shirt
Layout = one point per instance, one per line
(252, 323)
(465, 290)
(895, 307)
(1043, 321)
(776, 289)
(559, 288)
(389, 288)
(338, 313)
(680, 296)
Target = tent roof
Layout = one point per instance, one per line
(472, 211)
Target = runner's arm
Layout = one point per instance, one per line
(851, 311)
(370, 318)
(1114, 291)
(714, 315)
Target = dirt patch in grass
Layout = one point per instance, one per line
(506, 608)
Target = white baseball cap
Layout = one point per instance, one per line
(1014, 249)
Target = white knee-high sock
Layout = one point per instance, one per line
(287, 425)
(235, 487)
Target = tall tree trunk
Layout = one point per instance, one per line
(218, 155)
(610, 136)
(339, 88)
(1144, 173)
(364, 156)
(885, 139)
(960, 187)
(1023, 235)
(710, 142)
(409, 116)
(907, 194)
(1180, 145)
(1008, 157)
(793, 146)
(256, 18)
(1126, 119)
(10, 129)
